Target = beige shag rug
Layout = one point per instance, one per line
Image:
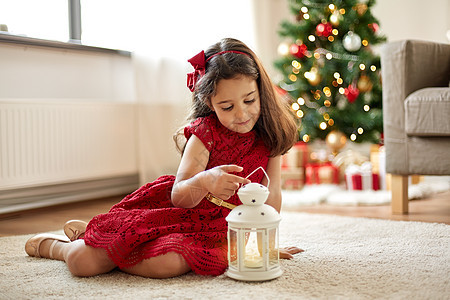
(345, 258)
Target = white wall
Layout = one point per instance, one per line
(65, 115)
(268, 16)
(33, 72)
(414, 19)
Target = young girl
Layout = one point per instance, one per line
(177, 224)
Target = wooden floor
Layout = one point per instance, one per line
(433, 209)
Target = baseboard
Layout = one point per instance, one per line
(41, 196)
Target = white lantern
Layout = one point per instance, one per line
(253, 235)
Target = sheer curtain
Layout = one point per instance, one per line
(162, 35)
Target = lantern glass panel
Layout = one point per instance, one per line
(253, 257)
(232, 251)
(273, 247)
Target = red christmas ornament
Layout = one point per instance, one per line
(351, 93)
(298, 51)
(324, 29)
(374, 27)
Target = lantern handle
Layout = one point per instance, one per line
(267, 176)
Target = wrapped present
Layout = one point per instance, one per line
(293, 166)
(346, 158)
(416, 179)
(362, 177)
(297, 157)
(321, 173)
(378, 160)
(375, 157)
(292, 178)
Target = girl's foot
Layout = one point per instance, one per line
(42, 245)
(75, 229)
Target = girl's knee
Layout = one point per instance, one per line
(83, 260)
(173, 265)
(164, 266)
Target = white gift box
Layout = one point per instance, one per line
(365, 171)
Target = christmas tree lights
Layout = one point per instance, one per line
(330, 74)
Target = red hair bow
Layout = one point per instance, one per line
(198, 62)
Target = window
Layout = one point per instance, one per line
(45, 19)
(162, 28)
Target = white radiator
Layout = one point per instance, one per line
(51, 152)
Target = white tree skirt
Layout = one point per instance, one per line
(339, 195)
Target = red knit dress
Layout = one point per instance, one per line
(146, 224)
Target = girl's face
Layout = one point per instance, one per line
(236, 103)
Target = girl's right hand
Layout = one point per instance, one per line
(219, 182)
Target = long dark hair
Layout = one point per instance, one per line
(275, 125)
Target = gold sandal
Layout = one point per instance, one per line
(34, 243)
(75, 229)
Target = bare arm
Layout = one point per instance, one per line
(274, 172)
(193, 182)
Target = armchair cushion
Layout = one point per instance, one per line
(427, 112)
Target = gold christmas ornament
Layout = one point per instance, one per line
(364, 84)
(335, 140)
(361, 8)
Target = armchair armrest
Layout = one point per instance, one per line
(407, 66)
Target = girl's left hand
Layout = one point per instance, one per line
(287, 253)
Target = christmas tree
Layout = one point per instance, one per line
(331, 75)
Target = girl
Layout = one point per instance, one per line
(177, 224)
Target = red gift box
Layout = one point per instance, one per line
(357, 183)
(321, 173)
(362, 177)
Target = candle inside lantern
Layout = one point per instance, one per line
(253, 261)
(253, 258)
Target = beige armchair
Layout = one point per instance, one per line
(416, 112)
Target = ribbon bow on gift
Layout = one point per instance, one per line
(198, 62)
(361, 177)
